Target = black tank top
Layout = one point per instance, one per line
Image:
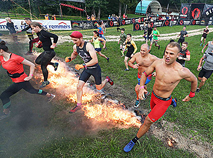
(83, 53)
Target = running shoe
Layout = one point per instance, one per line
(110, 80)
(3, 115)
(201, 44)
(44, 84)
(55, 65)
(174, 102)
(105, 48)
(198, 90)
(137, 103)
(126, 69)
(107, 59)
(76, 108)
(29, 53)
(52, 96)
(159, 47)
(129, 146)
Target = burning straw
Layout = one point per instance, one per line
(65, 82)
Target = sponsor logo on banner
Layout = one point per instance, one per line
(185, 10)
(75, 24)
(59, 26)
(158, 23)
(166, 23)
(111, 23)
(181, 22)
(202, 22)
(196, 13)
(193, 22)
(123, 22)
(137, 26)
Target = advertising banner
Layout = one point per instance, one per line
(185, 11)
(196, 11)
(48, 24)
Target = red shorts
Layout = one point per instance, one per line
(158, 106)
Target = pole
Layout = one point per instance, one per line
(30, 9)
(61, 11)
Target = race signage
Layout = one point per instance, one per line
(47, 24)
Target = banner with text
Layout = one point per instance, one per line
(48, 24)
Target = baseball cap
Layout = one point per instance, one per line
(76, 34)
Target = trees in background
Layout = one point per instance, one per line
(101, 8)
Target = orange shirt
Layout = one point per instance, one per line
(14, 65)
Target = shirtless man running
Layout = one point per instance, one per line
(143, 60)
(168, 75)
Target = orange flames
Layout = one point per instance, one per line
(65, 82)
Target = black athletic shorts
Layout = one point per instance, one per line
(205, 73)
(181, 40)
(204, 35)
(95, 71)
(128, 54)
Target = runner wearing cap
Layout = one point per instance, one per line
(91, 67)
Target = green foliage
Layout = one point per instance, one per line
(19, 10)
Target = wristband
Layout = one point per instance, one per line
(141, 87)
(191, 94)
(31, 75)
(145, 74)
(85, 66)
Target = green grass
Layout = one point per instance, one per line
(58, 134)
(108, 144)
(198, 110)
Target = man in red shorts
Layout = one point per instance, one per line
(169, 73)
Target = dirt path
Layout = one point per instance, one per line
(62, 38)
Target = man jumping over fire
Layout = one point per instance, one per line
(91, 67)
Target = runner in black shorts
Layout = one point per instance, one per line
(182, 35)
(203, 38)
(206, 70)
(132, 48)
(91, 67)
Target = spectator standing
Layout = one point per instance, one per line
(11, 28)
(46, 17)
